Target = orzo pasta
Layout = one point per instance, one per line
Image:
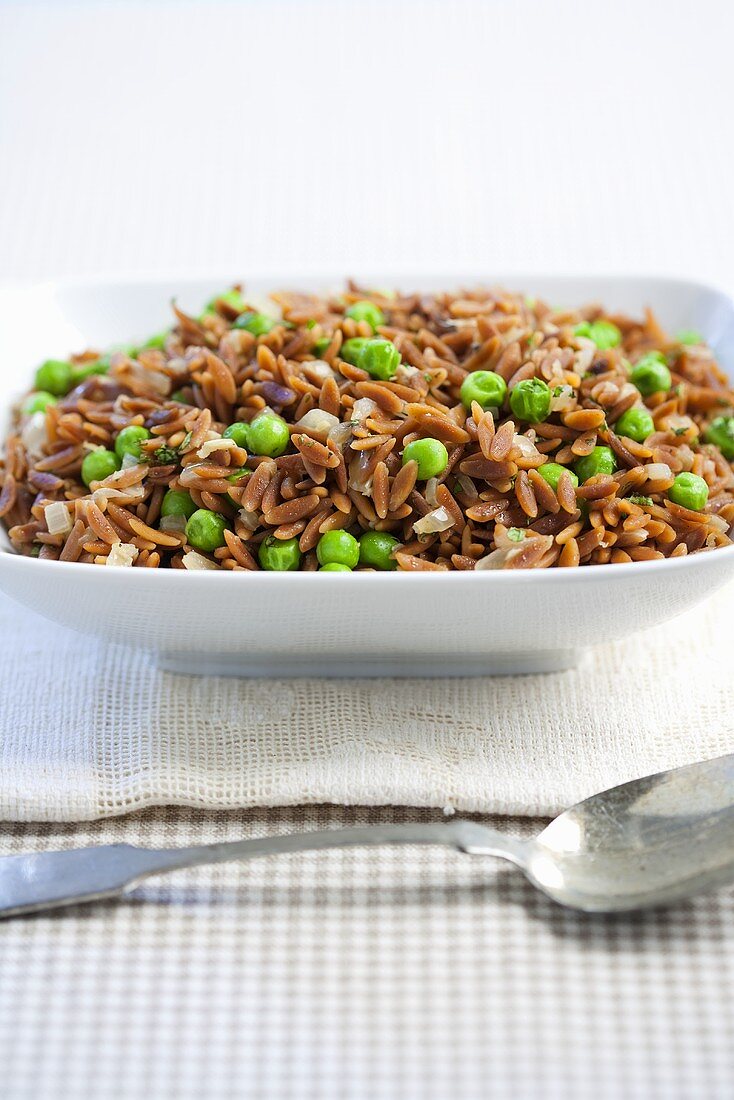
(377, 430)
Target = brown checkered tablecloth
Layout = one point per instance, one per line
(382, 974)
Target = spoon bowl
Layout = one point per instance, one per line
(649, 842)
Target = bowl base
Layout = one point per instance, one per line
(367, 666)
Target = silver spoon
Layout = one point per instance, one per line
(649, 842)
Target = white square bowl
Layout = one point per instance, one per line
(361, 624)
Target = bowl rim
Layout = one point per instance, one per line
(555, 575)
(109, 279)
(277, 277)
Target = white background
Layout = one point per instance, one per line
(291, 136)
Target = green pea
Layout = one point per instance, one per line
(320, 346)
(531, 400)
(176, 502)
(600, 461)
(376, 550)
(690, 491)
(129, 440)
(373, 354)
(636, 423)
(366, 311)
(37, 402)
(605, 334)
(239, 431)
(55, 376)
(205, 530)
(334, 567)
(103, 364)
(689, 336)
(268, 435)
(380, 359)
(82, 371)
(280, 555)
(431, 456)
(551, 472)
(98, 465)
(351, 350)
(158, 341)
(237, 476)
(485, 387)
(650, 374)
(721, 432)
(338, 548)
(231, 298)
(259, 324)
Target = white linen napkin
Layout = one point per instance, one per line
(88, 730)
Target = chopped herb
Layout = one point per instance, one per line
(311, 323)
(515, 534)
(680, 431)
(184, 445)
(164, 456)
(35, 551)
(644, 501)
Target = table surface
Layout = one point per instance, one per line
(395, 972)
(304, 136)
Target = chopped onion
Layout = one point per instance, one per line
(719, 523)
(128, 461)
(430, 491)
(173, 523)
(360, 477)
(320, 368)
(566, 399)
(679, 424)
(440, 519)
(363, 408)
(248, 519)
(584, 359)
(524, 448)
(58, 518)
(341, 434)
(658, 471)
(263, 303)
(496, 560)
(466, 486)
(217, 444)
(134, 495)
(122, 554)
(318, 423)
(193, 560)
(33, 435)
(405, 372)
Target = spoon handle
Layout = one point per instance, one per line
(46, 880)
